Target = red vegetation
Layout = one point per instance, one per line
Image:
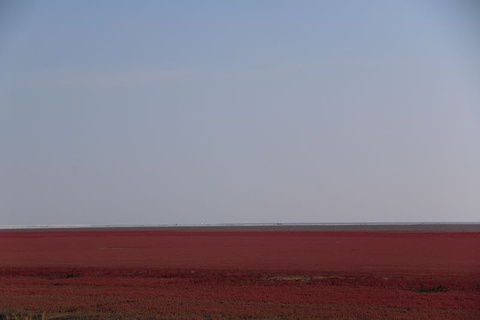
(172, 274)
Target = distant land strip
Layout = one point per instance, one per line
(401, 227)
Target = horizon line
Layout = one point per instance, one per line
(240, 224)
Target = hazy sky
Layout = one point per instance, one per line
(155, 112)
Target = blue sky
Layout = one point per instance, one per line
(155, 112)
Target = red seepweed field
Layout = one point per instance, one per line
(125, 274)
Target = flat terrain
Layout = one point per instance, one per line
(205, 273)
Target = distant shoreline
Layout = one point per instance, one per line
(412, 227)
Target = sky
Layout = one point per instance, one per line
(191, 112)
